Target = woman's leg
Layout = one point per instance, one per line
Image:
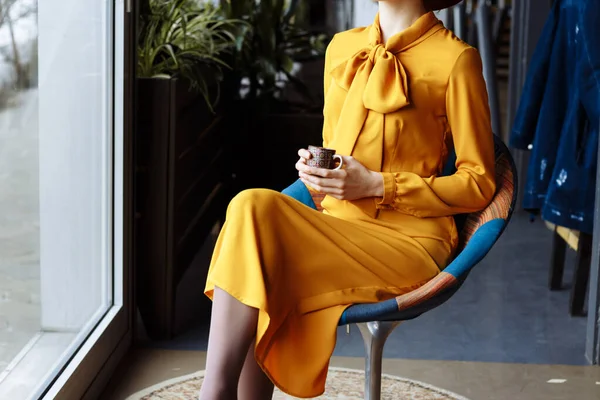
(232, 328)
(254, 384)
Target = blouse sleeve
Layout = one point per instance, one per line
(326, 83)
(472, 187)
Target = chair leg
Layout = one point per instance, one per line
(557, 263)
(374, 336)
(581, 274)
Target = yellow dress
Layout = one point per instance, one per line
(397, 108)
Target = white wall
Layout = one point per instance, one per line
(73, 140)
(365, 10)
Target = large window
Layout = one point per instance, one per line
(61, 188)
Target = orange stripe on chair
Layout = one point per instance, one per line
(442, 281)
(318, 199)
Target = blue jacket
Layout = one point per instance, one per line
(559, 115)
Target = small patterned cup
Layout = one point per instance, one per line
(324, 158)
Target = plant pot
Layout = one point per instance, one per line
(182, 188)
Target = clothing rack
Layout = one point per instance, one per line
(528, 18)
(486, 47)
(482, 37)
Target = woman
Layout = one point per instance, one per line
(399, 95)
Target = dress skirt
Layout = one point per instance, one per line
(301, 269)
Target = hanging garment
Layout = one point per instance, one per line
(558, 116)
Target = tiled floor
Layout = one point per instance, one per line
(476, 381)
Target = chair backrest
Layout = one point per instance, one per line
(480, 230)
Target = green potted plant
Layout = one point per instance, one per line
(187, 40)
(282, 111)
(183, 152)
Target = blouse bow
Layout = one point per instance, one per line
(376, 80)
(381, 76)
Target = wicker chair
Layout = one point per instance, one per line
(478, 233)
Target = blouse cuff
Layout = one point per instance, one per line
(389, 190)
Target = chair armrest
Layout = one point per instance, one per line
(479, 244)
(435, 292)
(408, 306)
(304, 195)
(429, 290)
(476, 249)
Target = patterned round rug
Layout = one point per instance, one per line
(342, 383)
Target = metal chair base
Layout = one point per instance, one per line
(374, 336)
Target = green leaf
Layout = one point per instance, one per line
(287, 64)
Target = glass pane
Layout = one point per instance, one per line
(19, 194)
(55, 183)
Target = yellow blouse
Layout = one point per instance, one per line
(398, 108)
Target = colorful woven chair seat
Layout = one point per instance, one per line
(478, 233)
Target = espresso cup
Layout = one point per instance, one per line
(324, 158)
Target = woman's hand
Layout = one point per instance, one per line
(354, 181)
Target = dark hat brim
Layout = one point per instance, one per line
(440, 4)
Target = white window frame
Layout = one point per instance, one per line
(87, 373)
(104, 340)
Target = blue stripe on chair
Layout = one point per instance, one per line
(300, 192)
(388, 310)
(365, 312)
(478, 246)
(450, 166)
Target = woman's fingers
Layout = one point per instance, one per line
(322, 182)
(303, 167)
(304, 156)
(303, 153)
(300, 163)
(322, 172)
(332, 191)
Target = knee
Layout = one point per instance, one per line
(255, 201)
